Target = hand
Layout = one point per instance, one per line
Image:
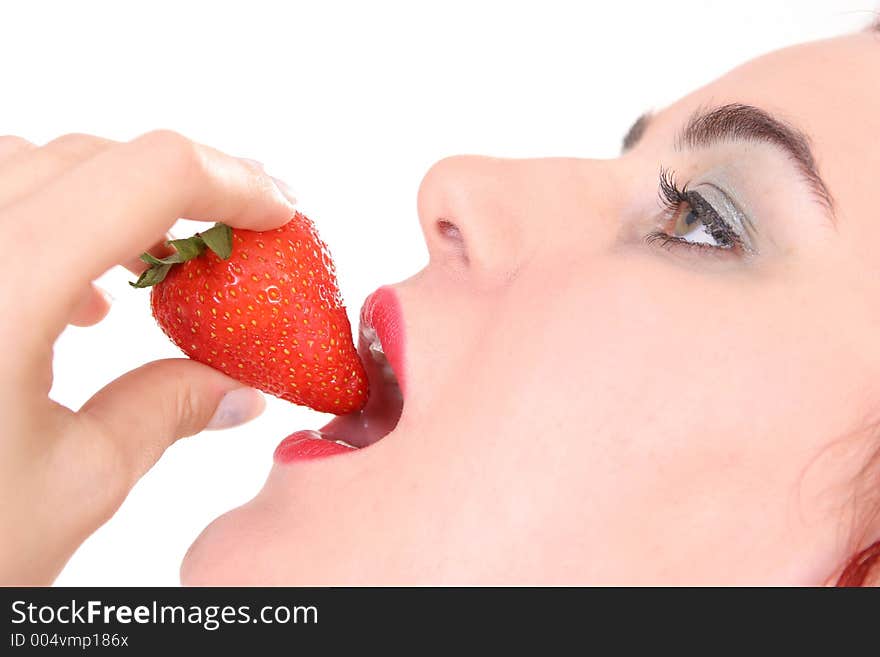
(69, 211)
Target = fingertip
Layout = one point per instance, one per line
(283, 206)
(92, 307)
(281, 200)
(285, 190)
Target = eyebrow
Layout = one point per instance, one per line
(745, 123)
(635, 132)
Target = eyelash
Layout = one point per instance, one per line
(673, 198)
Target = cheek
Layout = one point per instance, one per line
(662, 384)
(654, 346)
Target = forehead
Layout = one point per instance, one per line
(831, 91)
(814, 83)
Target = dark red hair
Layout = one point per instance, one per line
(865, 565)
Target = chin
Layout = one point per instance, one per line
(251, 545)
(231, 551)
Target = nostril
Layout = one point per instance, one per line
(452, 238)
(449, 231)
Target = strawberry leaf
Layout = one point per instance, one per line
(186, 249)
(150, 259)
(219, 240)
(152, 276)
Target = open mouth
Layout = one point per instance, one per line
(381, 349)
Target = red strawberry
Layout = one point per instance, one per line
(263, 308)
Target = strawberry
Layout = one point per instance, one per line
(263, 308)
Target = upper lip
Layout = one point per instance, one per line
(380, 318)
(381, 312)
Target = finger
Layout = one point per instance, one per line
(159, 250)
(146, 410)
(54, 158)
(10, 146)
(32, 168)
(118, 201)
(42, 164)
(93, 306)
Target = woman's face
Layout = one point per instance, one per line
(588, 401)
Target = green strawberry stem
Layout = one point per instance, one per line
(218, 239)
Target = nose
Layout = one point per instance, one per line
(486, 217)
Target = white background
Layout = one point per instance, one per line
(350, 103)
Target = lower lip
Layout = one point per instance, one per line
(307, 446)
(381, 311)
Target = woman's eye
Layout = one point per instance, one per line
(688, 226)
(703, 218)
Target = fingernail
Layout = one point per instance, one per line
(285, 190)
(282, 186)
(237, 407)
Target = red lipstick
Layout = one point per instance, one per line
(307, 446)
(381, 347)
(381, 312)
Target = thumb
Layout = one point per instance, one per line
(146, 410)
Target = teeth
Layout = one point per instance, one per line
(372, 339)
(374, 346)
(311, 434)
